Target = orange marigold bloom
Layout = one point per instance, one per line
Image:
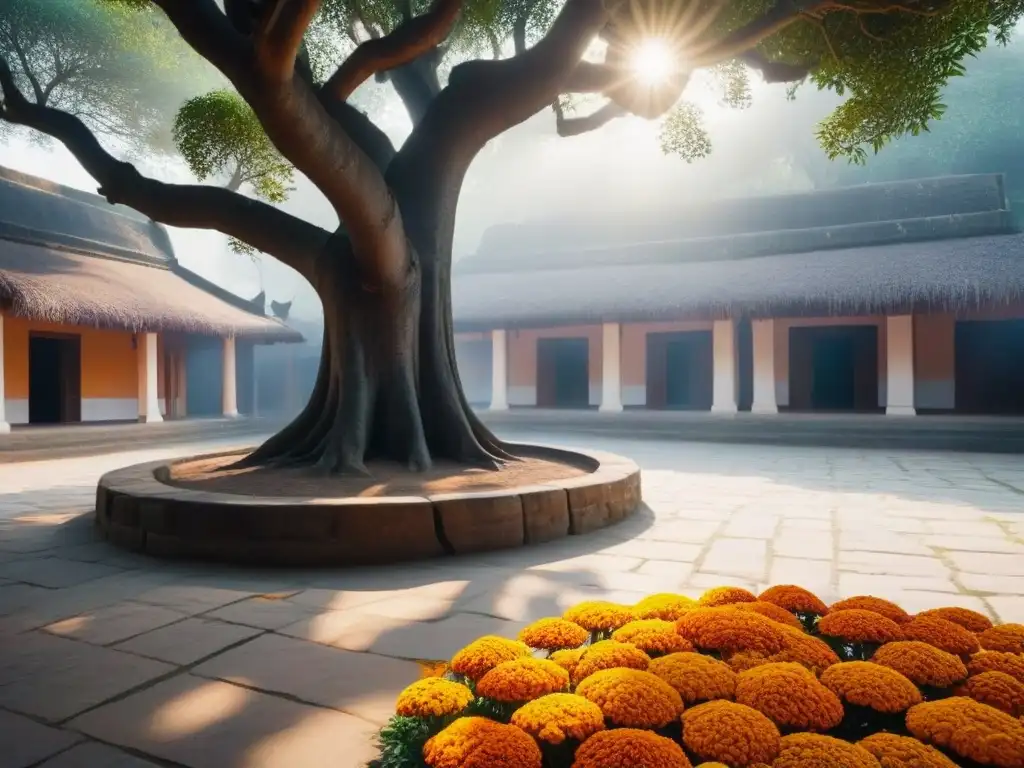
(553, 634)
(727, 629)
(997, 661)
(631, 698)
(997, 689)
(476, 742)
(599, 616)
(629, 748)
(484, 654)
(433, 697)
(790, 696)
(665, 606)
(559, 716)
(795, 599)
(522, 680)
(568, 659)
(652, 636)
(773, 612)
(609, 654)
(812, 750)
(894, 751)
(433, 668)
(965, 617)
(942, 633)
(971, 730)
(859, 625)
(811, 652)
(867, 684)
(732, 733)
(726, 596)
(695, 676)
(886, 608)
(921, 663)
(1008, 638)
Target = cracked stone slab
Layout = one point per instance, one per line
(114, 623)
(26, 742)
(95, 755)
(188, 641)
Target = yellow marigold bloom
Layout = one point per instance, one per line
(894, 751)
(559, 716)
(665, 606)
(965, 617)
(921, 663)
(1008, 638)
(631, 698)
(795, 599)
(567, 659)
(522, 680)
(867, 684)
(695, 676)
(609, 654)
(433, 668)
(727, 629)
(726, 596)
(652, 636)
(773, 612)
(997, 689)
(997, 661)
(629, 748)
(858, 625)
(942, 633)
(484, 654)
(476, 742)
(812, 750)
(599, 616)
(971, 730)
(730, 733)
(886, 608)
(790, 696)
(433, 697)
(553, 634)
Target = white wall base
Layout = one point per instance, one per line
(5, 428)
(523, 395)
(110, 409)
(725, 409)
(763, 408)
(634, 395)
(17, 410)
(900, 410)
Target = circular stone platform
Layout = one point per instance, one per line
(139, 508)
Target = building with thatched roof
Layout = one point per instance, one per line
(99, 321)
(903, 297)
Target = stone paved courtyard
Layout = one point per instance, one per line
(113, 660)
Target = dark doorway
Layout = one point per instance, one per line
(54, 379)
(563, 373)
(679, 371)
(833, 368)
(990, 366)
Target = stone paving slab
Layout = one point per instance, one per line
(95, 755)
(26, 742)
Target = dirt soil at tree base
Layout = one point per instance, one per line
(387, 479)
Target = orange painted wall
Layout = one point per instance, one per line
(634, 346)
(522, 352)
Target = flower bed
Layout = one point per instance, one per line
(734, 679)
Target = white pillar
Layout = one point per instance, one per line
(499, 370)
(229, 391)
(4, 426)
(149, 402)
(611, 368)
(725, 380)
(899, 344)
(763, 333)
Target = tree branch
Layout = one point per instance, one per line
(741, 40)
(575, 126)
(774, 72)
(23, 60)
(279, 36)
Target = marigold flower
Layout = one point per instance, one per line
(433, 697)
(812, 750)
(727, 629)
(866, 684)
(942, 633)
(553, 634)
(921, 663)
(609, 654)
(1008, 638)
(734, 734)
(631, 698)
(794, 599)
(971, 730)
(628, 748)
(522, 680)
(696, 677)
(771, 611)
(484, 654)
(652, 636)
(476, 742)
(997, 689)
(886, 608)
(559, 716)
(433, 668)
(811, 652)
(859, 626)
(997, 661)
(790, 696)
(665, 606)
(894, 751)
(726, 596)
(965, 617)
(567, 659)
(599, 616)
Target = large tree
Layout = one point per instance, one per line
(388, 385)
